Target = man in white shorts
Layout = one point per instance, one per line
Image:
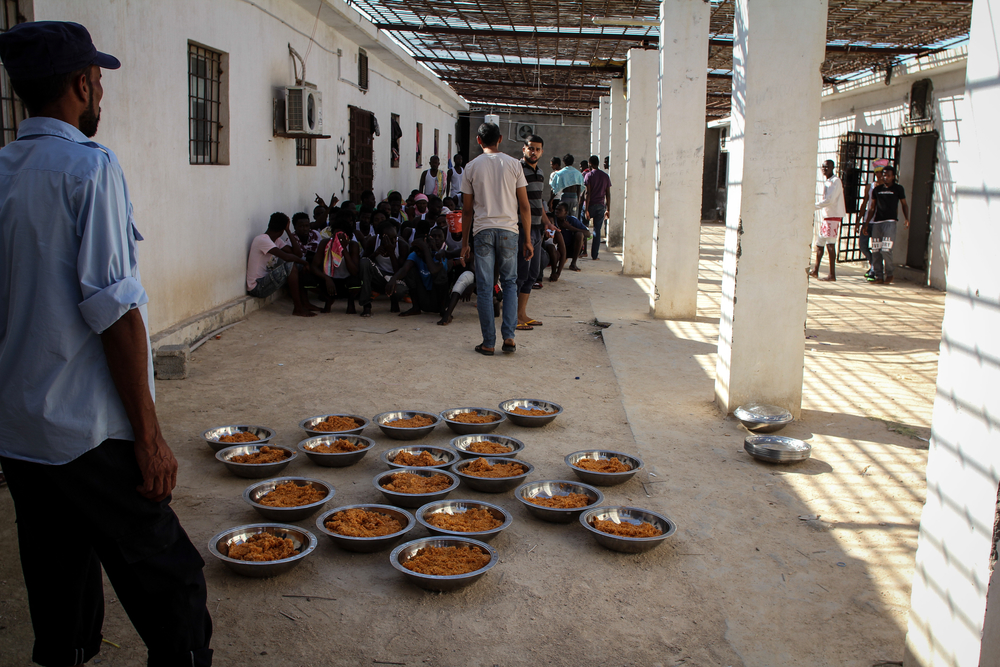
(832, 211)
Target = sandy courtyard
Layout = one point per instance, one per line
(807, 564)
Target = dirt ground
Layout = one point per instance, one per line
(806, 564)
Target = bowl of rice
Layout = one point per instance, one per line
(221, 437)
(255, 461)
(288, 498)
(603, 467)
(630, 530)
(492, 475)
(444, 563)
(365, 528)
(413, 487)
(496, 446)
(342, 424)
(464, 518)
(262, 549)
(557, 500)
(406, 424)
(530, 412)
(336, 451)
(472, 420)
(418, 456)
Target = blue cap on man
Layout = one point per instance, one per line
(41, 49)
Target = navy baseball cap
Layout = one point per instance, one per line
(41, 49)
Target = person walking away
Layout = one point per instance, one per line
(455, 178)
(495, 199)
(432, 181)
(866, 212)
(597, 200)
(571, 182)
(832, 211)
(529, 269)
(79, 435)
(887, 199)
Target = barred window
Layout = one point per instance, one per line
(362, 69)
(305, 152)
(11, 109)
(207, 113)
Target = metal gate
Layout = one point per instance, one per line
(11, 109)
(361, 159)
(857, 152)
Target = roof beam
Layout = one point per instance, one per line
(527, 101)
(610, 69)
(510, 32)
(517, 84)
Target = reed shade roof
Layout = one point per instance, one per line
(550, 56)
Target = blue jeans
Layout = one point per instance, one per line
(597, 212)
(496, 248)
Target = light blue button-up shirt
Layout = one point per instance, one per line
(68, 271)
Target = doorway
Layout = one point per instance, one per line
(361, 159)
(921, 199)
(857, 152)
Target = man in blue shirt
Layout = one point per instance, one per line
(80, 443)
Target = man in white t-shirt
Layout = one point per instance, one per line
(455, 175)
(495, 198)
(832, 211)
(270, 266)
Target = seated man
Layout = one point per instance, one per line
(320, 215)
(462, 288)
(396, 213)
(384, 254)
(308, 238)
(338, 260)
(270, 266)
(426, 274)
(555, 247)
(574, 235)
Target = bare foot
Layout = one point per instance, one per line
(829, 279)
(445, 320)
(303, 313)
(814, 273)
(411, 311)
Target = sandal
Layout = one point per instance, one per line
(484, 351)
(524, 327)
(509, 348)
(534, 323)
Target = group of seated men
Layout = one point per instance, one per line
(409, 251)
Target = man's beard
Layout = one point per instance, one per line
(90, 118)
(530, 161)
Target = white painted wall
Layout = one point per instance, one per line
(950, 622)
(605, 145)
(640, 162)
(198, 220)
(616, 170)
(871, 106)
(595, 131)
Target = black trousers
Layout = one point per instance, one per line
(76, 517)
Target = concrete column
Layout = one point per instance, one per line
(595, 131)
(616, 170)
(680, 153)
(640, 162)
(777, 51)
(951, 621)
(605, 144)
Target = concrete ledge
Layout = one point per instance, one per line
(193, 328)
(170, 362)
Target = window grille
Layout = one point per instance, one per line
(362, 69)
(305, 152)
(205, 104)
(11, 109)
(920, 99)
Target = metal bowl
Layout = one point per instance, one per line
(253, 470)
(414, 499)
(255, 492)
(762, 418)
(530, 404)
(405, 433)
(405, 552)
(633, 515)
(304, 541)
(777, 448)
(212, 435)
(458, 507)
(335, 459)
(491, 484)
(463, 429)
(549, 488)
(308, 424)
(368, 544)
(444, 457)
(604, 478)
(462, 442)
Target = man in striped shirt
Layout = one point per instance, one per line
(528, 270)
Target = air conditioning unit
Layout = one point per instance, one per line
(303, 110)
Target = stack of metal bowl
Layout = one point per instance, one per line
(459, 507)
(462, 442)
(404, 552)
(212, 435)
(253, 470)
(397, 433)
(634, 463)
(303, 540)
(443, 457)
(309, 425)
(762, 418)
(551, 409)
(368, 544)
(335, 459)
(253, 494)
(633, 515)
(414, 499)
(550, 488)
(491, 484)
(463, 428)
(777, 448)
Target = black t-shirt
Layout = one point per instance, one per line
(887, 201)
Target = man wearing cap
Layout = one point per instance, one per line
(79, 439)
(886, 201)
